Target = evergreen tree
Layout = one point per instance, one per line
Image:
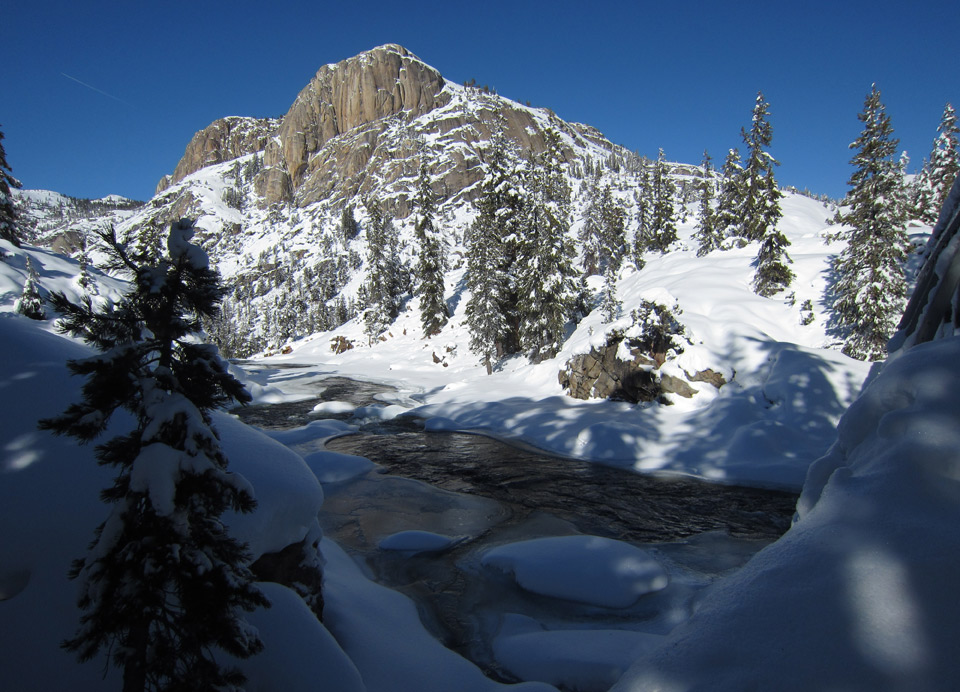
(729, 202)
(609, 303)
(429, 274)
(760, 205)
(603, 236)
(772, 274)
(870, 289)
(9, 227)
(164, 584)
(545, 275)
(663, 220)
(349, 228)
(613, 232)
(84, 279)
(491, 252)
(30, 302)
(386, 281)
(644, 203)
(589, 236)
(936, 178)
(708, 235)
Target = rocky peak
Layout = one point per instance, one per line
(380, 83)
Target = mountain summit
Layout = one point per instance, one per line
(354, 127)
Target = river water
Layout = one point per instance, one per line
(485, 492)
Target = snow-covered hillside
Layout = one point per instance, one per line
(50, 218)
(786, 383)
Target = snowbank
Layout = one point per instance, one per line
(49, 507)
(861, 592)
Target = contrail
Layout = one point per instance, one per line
(99, 91)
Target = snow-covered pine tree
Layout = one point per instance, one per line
(491, 251)
(387, 278)
(9, 227)
(643, 199)
(708, 235)
(936, 178)
(772, 273)
(663, 218)
(30, 302)
(730, 198)
(613, 232)
(760, 205)
(84, 280)
(546, 285)
(603, 235)
(349, 228)
(590, 231)
(164, 583)
(869, 287)
(430, 262)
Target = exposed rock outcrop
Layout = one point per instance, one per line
(222, 140)
(603, 374)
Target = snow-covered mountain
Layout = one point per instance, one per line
(59, 221)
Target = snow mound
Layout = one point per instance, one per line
(859, 594)
(586, 569)
(334, 407)
(308, 652)
(582, 660)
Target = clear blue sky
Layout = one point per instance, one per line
(102, 97)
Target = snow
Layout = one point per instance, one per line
(587, 569)
(380, 630)
(860, 593)
(334, 467)
(582, 660)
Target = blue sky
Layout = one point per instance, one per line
(102, 97)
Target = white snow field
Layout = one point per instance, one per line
(859, 594)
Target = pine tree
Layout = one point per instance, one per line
(603, 235)
(349, 228)
(663, 219)
(429, 273)
(589, 235)
(644, 204)
(772, 274)
(491, 252)
(9, 227)
(164, 584)
(613, 232)
(545, 275)
(708, 235)
(870, 289)
(760, 206)
(84, 280)
(387, 279)
(30, 302)
(936, 178)
(730, 199)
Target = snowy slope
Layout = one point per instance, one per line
(787, 385)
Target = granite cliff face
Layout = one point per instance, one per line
(359, 127)
(223, 140)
